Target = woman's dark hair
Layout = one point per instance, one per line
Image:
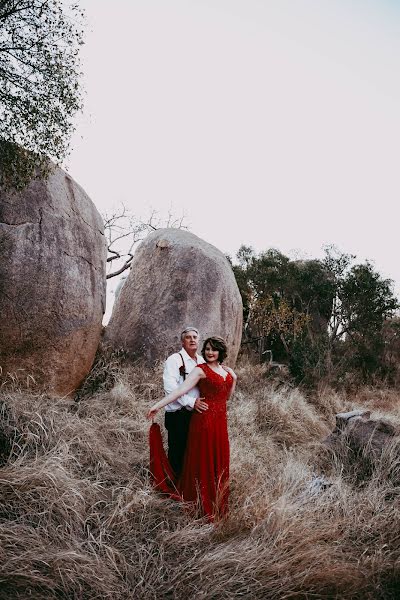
(216, 343)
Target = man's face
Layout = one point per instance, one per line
(190, 341)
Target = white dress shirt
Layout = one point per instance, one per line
(172, 379)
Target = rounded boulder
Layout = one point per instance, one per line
(176, 280)
(52, 283)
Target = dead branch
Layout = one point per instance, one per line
(123, 230)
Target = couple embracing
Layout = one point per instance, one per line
(198, 388)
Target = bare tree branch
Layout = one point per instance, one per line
(124, 231)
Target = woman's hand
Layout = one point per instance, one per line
(152, 412)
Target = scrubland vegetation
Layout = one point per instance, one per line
(331, 320)
(79, 517)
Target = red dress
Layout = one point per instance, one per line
(205, 475)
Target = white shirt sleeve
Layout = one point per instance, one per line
(172, 379)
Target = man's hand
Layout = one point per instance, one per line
(200, 406)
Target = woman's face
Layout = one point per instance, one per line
(210, 354)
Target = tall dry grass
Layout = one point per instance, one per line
(80, 520)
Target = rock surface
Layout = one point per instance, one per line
(176, 279)
(52, 283)
(358, 442)
(356, 432)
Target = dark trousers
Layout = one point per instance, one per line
(177, 425)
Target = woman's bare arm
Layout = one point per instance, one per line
(190, 382)
(234, 377)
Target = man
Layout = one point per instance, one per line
(178, 413)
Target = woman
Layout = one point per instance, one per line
(205, 474)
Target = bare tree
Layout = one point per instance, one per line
(124, 230)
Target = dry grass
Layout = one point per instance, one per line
(79, 518)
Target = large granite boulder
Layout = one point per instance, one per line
(52, 283)
(176, 279)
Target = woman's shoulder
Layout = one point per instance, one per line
(231, 371)
(199, 369)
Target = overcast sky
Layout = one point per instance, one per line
(271, 123)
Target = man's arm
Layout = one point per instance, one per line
(171, 379)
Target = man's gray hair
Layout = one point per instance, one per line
(189, 329)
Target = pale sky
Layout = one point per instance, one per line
(268, 123)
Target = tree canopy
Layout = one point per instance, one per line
(39, 84)
(282, 297)
(320, 316)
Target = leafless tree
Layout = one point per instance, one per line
(123, 230)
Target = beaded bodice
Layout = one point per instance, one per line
(215, 389)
